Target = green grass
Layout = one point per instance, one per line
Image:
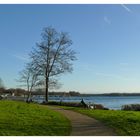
(125, 123)
(22, 119)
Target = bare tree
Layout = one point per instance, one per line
(53, 56)
(30, 77)
(1, 83)
(2, 88)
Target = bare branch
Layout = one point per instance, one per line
(51, 57)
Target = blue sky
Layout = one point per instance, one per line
(106, 37)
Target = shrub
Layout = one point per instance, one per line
(133, 107)
(76, 104)
(71, 104)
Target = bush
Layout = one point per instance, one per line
(76, 104)
(133, 107)
(1, 97)
(71, 104)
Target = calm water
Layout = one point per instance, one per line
(111, 102)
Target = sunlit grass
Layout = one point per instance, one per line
(125, 123)
(22, 119)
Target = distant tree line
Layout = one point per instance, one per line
(55, 93)
(13, 91)
(70, 93)
(38, 91)
(23, 92)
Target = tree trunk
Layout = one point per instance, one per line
(29, 97)
(46, 94)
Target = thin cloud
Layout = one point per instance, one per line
(126, 8)
(87, 67)
(111, 76)
(107, 20)
(21, 57)
(107, 75)
(124, 64)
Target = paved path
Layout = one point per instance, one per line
(83, 125)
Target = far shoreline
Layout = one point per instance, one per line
(112, 94)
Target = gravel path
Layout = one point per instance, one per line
(83, 125)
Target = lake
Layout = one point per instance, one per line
(111, 102)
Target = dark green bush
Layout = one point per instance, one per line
(75, 104)
(133, 107)
(71, 104)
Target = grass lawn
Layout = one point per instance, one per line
(22, 119)
(125, 123)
